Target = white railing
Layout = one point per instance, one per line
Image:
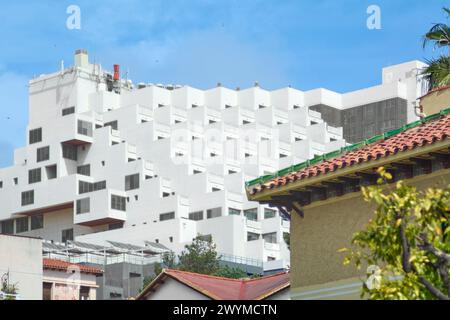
(335, 130)
(240, 260)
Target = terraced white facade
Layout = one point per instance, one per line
(106, 160)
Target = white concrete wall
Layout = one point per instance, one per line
(22, 258)
(174, 290)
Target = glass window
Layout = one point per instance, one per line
(43, 154)
(7, 227)
(270, 237)
(115, 226)
(22, 225)
(167, 216)
(70, 152)
(84, 170)
(27, 197)
(34, 175)
(196, 216)
(213, 213)
(252, 236)
(35, 135)
(83, 205)
(67, 235)
(251, 214)
(132, 182)
(85, 187)
(37, 222)
(205, 237)
(118, 203)
(85, 128)
(100, 185)
(235, 212)
(67, 111)
(269, 213)
(113, 124)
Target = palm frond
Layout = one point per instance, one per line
(446, 10)
(437, 73)
(439, 34)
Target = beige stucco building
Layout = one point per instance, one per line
(65, 281)
(326, 207)
(436, 100)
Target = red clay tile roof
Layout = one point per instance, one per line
(219, 288)
(425, 134)
(53, 264)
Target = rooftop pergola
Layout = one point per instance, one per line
(116, 252)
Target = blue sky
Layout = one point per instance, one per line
(302, 43)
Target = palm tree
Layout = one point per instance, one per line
(437, 73)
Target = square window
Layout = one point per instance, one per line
(42, 154)
(66, 235)
(7, 227)
(37, 222)
(269, 213)
(22, 225)
(167, 216)
(118, 203)
(213, 213)
(34, 175)
(196, 216)
(35, 135)
(251, 214)
(27, 197)
(132, 182)
(83, 205)
(234, 212)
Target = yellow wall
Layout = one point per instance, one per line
(329, 226)
(436, 101)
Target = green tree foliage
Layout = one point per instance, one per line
(232, 273)
(406, 243)
(11, 290)
(168, 261)
(200, 257)
(438, 71)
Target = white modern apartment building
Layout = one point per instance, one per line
(106, 160)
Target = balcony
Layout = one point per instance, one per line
(48, 196)
(75, 129)
(99, 210)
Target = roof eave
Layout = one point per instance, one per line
(266, 194)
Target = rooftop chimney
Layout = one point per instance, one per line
(81, 58)
(116, 72)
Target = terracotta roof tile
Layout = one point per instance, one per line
(219, 288)
(425, 134)
(54, 264)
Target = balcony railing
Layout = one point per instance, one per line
(240, 260)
